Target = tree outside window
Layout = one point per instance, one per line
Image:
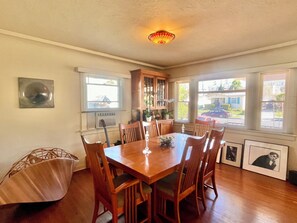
(183, 101)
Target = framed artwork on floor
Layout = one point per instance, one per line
(232, 154)
(266, 158)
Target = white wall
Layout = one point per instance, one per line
(281, 58)
(23, 130)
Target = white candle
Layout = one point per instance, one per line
(183, 128)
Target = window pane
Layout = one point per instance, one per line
(225, 108)
(223, 100)
(222, 85)
(272, 115)
(149, 92)
(273, 98)
(183, 92)
(161, 92)
(183, 101)
(274, 87)
(102, 93)
(96, 104)
(103, 81)
(182, 110)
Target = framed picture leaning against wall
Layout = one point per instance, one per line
(232, 154)
(266, 158)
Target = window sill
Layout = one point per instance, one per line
(245, 132)
(264, 134)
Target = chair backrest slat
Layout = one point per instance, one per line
(130, 132)
(191, 160)
(100, 170)
(213, 146)
(201, 127)
(165, 126)
(151, 127)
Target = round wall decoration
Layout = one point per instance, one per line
(36, 93)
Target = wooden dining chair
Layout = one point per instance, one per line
(165, 126)
(151, 127)
(201, 127)
(180, 184)
(207, 172)
(113, 169)
(130, 132)
(119, 195)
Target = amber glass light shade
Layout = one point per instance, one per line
(161, 37)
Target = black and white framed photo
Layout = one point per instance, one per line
(266, 158)
(232, 154)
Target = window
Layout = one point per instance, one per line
(273, 100)
(223, 100)
(101, 93)
(183, 91)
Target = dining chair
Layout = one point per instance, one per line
(119, 195)
(130, 132)
(150, 127)
(165, 126)
(180, 184)
(207, 172)
(201, 127)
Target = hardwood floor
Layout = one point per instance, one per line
(243, 197)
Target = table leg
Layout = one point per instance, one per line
(155, 218)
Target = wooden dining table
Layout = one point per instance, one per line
(152, 167)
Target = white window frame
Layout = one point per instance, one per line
(226, 76)
(177, 101)
(84, 93)
(286, 115)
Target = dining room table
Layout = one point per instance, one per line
(151, 167)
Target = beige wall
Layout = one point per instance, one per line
(281, 58)
(23, 130)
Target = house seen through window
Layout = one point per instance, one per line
(223, 100)
(101, 93)
(273, 100)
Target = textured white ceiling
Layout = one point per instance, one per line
(204, 29)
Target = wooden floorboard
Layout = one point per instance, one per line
(243, 197)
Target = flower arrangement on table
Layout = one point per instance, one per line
(166, 141)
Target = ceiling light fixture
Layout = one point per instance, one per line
(161, 37)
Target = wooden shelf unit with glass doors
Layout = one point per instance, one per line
(149, 89)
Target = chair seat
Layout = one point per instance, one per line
(168, 184)
(118, 180)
